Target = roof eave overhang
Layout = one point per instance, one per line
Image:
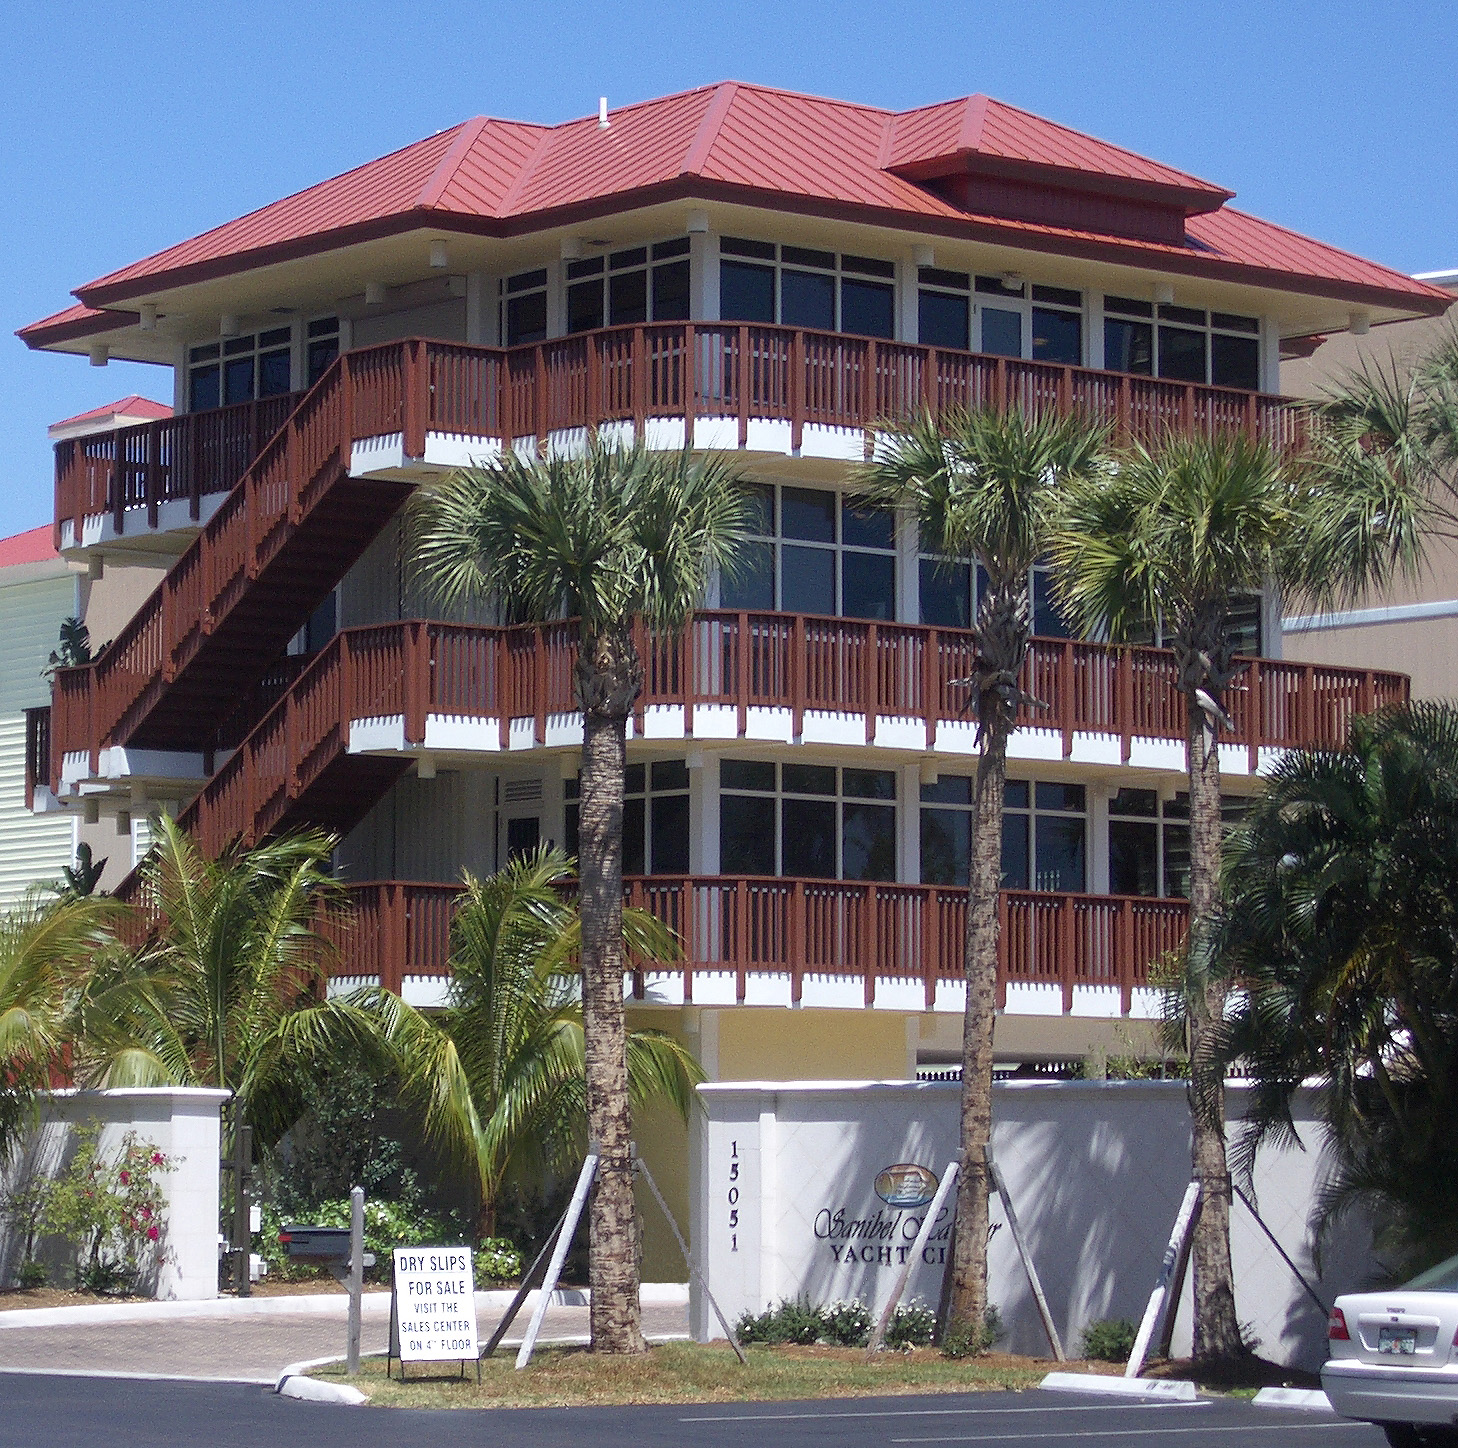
(1192, 200)
(40, 335)
(1428, 302)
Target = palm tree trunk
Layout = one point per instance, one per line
(1217, 1329)
(969, 1254)
(608, 679)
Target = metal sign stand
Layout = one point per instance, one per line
(642, 1166)
(878, 1337)
(1164, 1300)
(1000, 1183)
(559, 1253)
(529, 1280)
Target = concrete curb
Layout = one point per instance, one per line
(1312, 1400)
(335, 1304)
(311, 1390)
(1155, 1390)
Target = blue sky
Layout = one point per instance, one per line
(129, 128)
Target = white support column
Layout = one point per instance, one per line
(556, 300)
(704, 276)
(1270, 343)
(704, 813)
(1093, 341)
(908, 325)
(1098, 838)
(179, 378)
(480, 309)
(908, 825)
(908, 568)
(769, 1206)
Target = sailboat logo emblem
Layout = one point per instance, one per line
(906, 1185)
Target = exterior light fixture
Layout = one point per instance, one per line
(1013, 280)
(439, 258)
(228, 324)
(148, 321)
(928, 774)
(923, 256)
(425, 767)
(1163, 293)
(100, 354)
(94, 566)
(697, 223)
(1359, 324)
(571, 248)
(91, 811)
(374, 294)
(124, 822)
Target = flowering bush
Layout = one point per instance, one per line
(109, 1211)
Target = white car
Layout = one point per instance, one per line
(1394, 1360)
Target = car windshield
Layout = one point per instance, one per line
(1442, 1278)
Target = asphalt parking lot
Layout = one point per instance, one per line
(72, 1412)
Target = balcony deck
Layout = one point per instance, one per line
(781, 941)
(775, 390)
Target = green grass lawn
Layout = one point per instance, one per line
(686, 1372)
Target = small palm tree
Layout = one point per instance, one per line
(1177, 532)
(229, 989)
(46, 949)
(611, 536)
(1341, 917)
(981, 485)
(514, 1023)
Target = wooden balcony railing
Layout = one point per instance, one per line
(517, 677)
(731, 373)
(680, 370)
(789, 927)
(177, 458)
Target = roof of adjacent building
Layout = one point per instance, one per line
(132, 405)
(764, 147)
(36, 545)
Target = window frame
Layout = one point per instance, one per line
(874, 272)
(267, 344)
(1206, 323)
(658, 258)
(648, 794)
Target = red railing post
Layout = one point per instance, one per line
(873, 680)
(1254, 715)
(1066, 701)
(799, 673)
(539, 409)
(539, 685)
(931, 694)
(688, 380)
(417, 682)
(1067, 950)
(743, 372)
(797, 390)
(640, 384)
(1124, 686)
(416, 383)
(740, 691)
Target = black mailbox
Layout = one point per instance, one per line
(316, 1244)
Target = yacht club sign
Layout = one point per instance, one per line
(886, 1238)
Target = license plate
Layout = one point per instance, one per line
(1399, 1340)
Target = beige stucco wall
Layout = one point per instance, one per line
(108, 602)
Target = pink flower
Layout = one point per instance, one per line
(125, 1178)
(152, 1234)
(157, 1158)
(146, 1214)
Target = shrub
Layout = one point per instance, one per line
(1109, 1340)
(497, 1261)
(963, 1340)
(846, 1323)
(387, 1225)
(32, 1274)
(109, 1212)
(794, 1320)
(913, 1324)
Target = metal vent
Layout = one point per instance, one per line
(522, 791)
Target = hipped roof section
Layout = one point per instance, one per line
(762, 147)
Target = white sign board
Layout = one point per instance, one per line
(435, 1303)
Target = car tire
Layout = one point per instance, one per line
(1415, 1435)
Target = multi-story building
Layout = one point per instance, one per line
(1413, 624)
(733, 268)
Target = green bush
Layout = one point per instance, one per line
(32, 1274)
(497, 1261)
(795, 1321)
(846, 1323)
(1109, 1340)
(913, 1324)
(387, 1225)
(963, 1340)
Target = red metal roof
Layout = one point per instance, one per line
(765, 147)
(131, 406)
(33, 546)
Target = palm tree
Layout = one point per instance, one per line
(981, 485)
(612, 536)
(229, 989)
(514, 1022)
(46, 948)
(1177, 532)
(1341, 917)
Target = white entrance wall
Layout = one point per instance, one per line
(784, 1204)
(183, 1123)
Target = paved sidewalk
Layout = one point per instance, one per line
(252, 1349)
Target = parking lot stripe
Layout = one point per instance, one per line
(1011, 1437)
(939, 1412)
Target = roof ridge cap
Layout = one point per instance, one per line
(974, 122)
(518, 184)
(467, 133)
(710, 125)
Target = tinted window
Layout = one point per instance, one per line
(526, 319)
(671, 292)
(868, 585)
(628, 298)
(868, 842)
(746, 293)
(1235, 362)
(866, 309)
(807, 299)
(746, 835)
(1181, 354)
(946, 594)
(808, 837)
(942, 321)
(1128, 347)
(1002, 332)
(1057, 337)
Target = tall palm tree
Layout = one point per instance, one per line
(981, 486)
(610, 536)
(1177, 532)
(1341, 917)
(229, 988)
(46, 949)
(514, 1022)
